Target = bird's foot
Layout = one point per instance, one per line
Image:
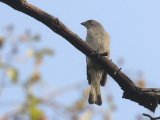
(96, 53)
(104, 54)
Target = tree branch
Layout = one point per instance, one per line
(147, 97)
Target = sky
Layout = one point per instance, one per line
(134, 29)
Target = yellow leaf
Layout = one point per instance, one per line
(1, 41)
(87, 115)
(36, 113)
(30, 53)
(13, 74)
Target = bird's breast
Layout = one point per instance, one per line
(97, 40)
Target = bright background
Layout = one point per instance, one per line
(133, 25)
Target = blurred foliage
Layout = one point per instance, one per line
(1, 42)
(13, 74)
(30, 107)
(35, 112)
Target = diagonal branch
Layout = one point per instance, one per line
(147, 97)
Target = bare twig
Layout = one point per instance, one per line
(148, 97)
(151, 118)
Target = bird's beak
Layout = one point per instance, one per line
(83, 23)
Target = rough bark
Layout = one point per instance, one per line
(147, 97)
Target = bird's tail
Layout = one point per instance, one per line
(95, 94)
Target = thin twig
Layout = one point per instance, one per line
(151, 118)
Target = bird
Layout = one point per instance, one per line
(98, 39)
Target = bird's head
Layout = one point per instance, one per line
(91, 23)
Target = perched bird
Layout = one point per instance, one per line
(98, 39)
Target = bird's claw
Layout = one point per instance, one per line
(104, 54)
(96, 53)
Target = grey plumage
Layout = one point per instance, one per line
(98, 39)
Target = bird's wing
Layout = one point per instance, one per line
(88, 74)
(104, 78)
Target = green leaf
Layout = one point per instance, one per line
(42, 53)
(13, 74)
(36, 38)
(36, 113)
(47, 51)
(33, 100)
(1, 42)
